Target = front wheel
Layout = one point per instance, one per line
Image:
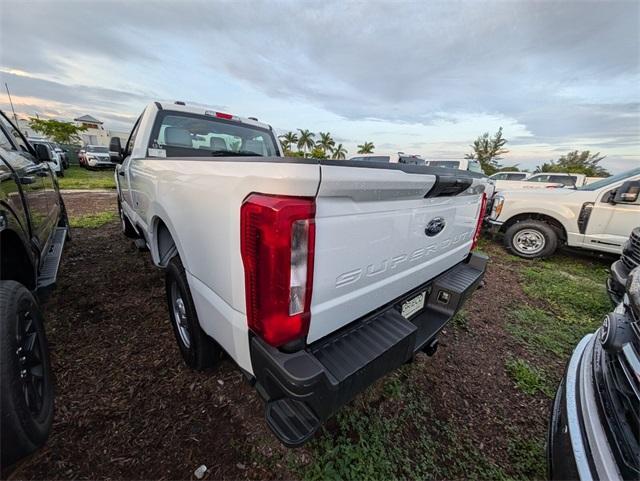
(531, 239)
(26, 397)
(198, 350)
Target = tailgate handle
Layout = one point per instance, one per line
(449, 185)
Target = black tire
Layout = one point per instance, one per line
(26, 397)
(125, 224)
(531, 239)
(198, 350)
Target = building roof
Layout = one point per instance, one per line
(88, 118)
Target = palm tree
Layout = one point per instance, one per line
(366, 148)
(305, 140)
(288, 139)
(339, 152)
(325, 142)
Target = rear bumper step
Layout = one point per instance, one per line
(302, 389)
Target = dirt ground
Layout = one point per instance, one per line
(127, 407)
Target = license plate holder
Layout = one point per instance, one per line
(414, 305)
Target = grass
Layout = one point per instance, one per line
(402, 441)
(460, 321)
(92, 221)
(527, 456)
(541, 331)
(528, 378)
(76, 177)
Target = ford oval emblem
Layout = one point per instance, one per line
(435, 226)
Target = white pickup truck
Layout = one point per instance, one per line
(506, 181)
(317, 277)
(598, 216)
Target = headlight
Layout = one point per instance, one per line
(496, 210)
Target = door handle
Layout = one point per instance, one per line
(121, 173)
(27, 180)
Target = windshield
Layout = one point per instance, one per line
(475, 167)
(96, 148)
(184, 134)
(450, 164)
(610, 180)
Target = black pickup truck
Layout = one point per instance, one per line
(33, 229)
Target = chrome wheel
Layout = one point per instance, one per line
(180, 315)
(529, 241)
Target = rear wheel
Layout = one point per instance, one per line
(26, 397)
(531, 239)
(198, 350)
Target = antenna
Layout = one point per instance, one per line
(12, 109)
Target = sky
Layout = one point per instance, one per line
(419, 77)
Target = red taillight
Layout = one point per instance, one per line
(483, 207)
(222, 115)
(277, 238)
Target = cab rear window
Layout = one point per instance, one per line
(179, 134)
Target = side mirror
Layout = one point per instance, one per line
(43, 153)
(115, 150)
(627, 193)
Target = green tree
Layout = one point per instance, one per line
(288, 140)
(325, 142)
(318, 153)
(366, 148)
(578, 163)
(487, 150)
(305, 140)
(57, 131)
(339, 152)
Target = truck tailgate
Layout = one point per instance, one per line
(371, 241)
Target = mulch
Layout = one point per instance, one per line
(128, 408)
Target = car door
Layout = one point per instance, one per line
(610, 224)
(124, 174)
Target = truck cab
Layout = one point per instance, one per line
(598, 216)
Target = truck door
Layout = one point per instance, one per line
(610, 224)
(124, 176)
(29, 174)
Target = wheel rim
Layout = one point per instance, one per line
(529, 241)
(180, 314)
(30, 356)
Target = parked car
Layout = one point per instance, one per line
(463, 164)
(594, 430)
(621, 268)
(542, 181)
(33, 229)
(56, 159)
(598, 216)
(317, 277)
(62, 152)
(398, 158)
(96, 157)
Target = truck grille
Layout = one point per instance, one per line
(617, 381)
(631, 252)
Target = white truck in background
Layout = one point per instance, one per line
(598, 216)
(317, 277)
(545, 180)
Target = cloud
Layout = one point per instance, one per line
(556, 72)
